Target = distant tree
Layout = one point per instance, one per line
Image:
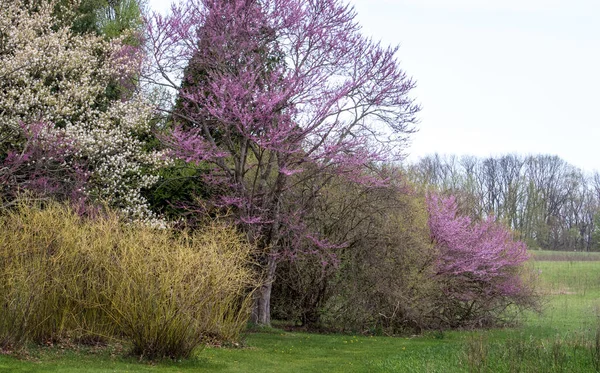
(546, 201)
(290, 90)
(595, 237)
(108, 18)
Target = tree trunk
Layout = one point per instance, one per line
(261, 312)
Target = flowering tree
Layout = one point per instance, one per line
(478, 267)
(43, 166)
(278, 92)
(50, 75)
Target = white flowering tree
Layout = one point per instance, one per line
(49, 74)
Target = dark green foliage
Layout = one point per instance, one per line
(204, 65)
(180, 192)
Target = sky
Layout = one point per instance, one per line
(496, 76)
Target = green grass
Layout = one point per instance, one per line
(559, 340)
(572, 295)
(274, 351)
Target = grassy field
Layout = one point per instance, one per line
(562, 339)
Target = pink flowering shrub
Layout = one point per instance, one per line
(479, 267)
(42, 164)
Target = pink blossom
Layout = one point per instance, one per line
(482, 256)
(279, 92)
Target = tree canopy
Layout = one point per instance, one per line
(276, 92)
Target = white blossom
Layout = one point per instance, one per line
(60, 77)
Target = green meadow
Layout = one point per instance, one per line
(564, 338)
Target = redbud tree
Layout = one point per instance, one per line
(479, 267)
(283, 91)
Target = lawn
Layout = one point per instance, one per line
(559, 340)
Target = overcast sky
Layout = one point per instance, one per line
(497, 76)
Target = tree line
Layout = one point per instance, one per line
(546, 201)
(275, 118)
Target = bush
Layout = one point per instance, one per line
(408, 264)
(480, 268)
(62, 276)
(384, 282)
(380, 280)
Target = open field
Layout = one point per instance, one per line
(562, 339)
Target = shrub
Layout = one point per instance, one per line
(379, 281)
(408, 264)
(384, 281)
(479, 269)
(167, 301)
(65, 276)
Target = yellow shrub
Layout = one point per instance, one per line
(63, 276)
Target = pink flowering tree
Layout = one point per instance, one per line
(42, 165)
(479, 266)
(277, 92)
